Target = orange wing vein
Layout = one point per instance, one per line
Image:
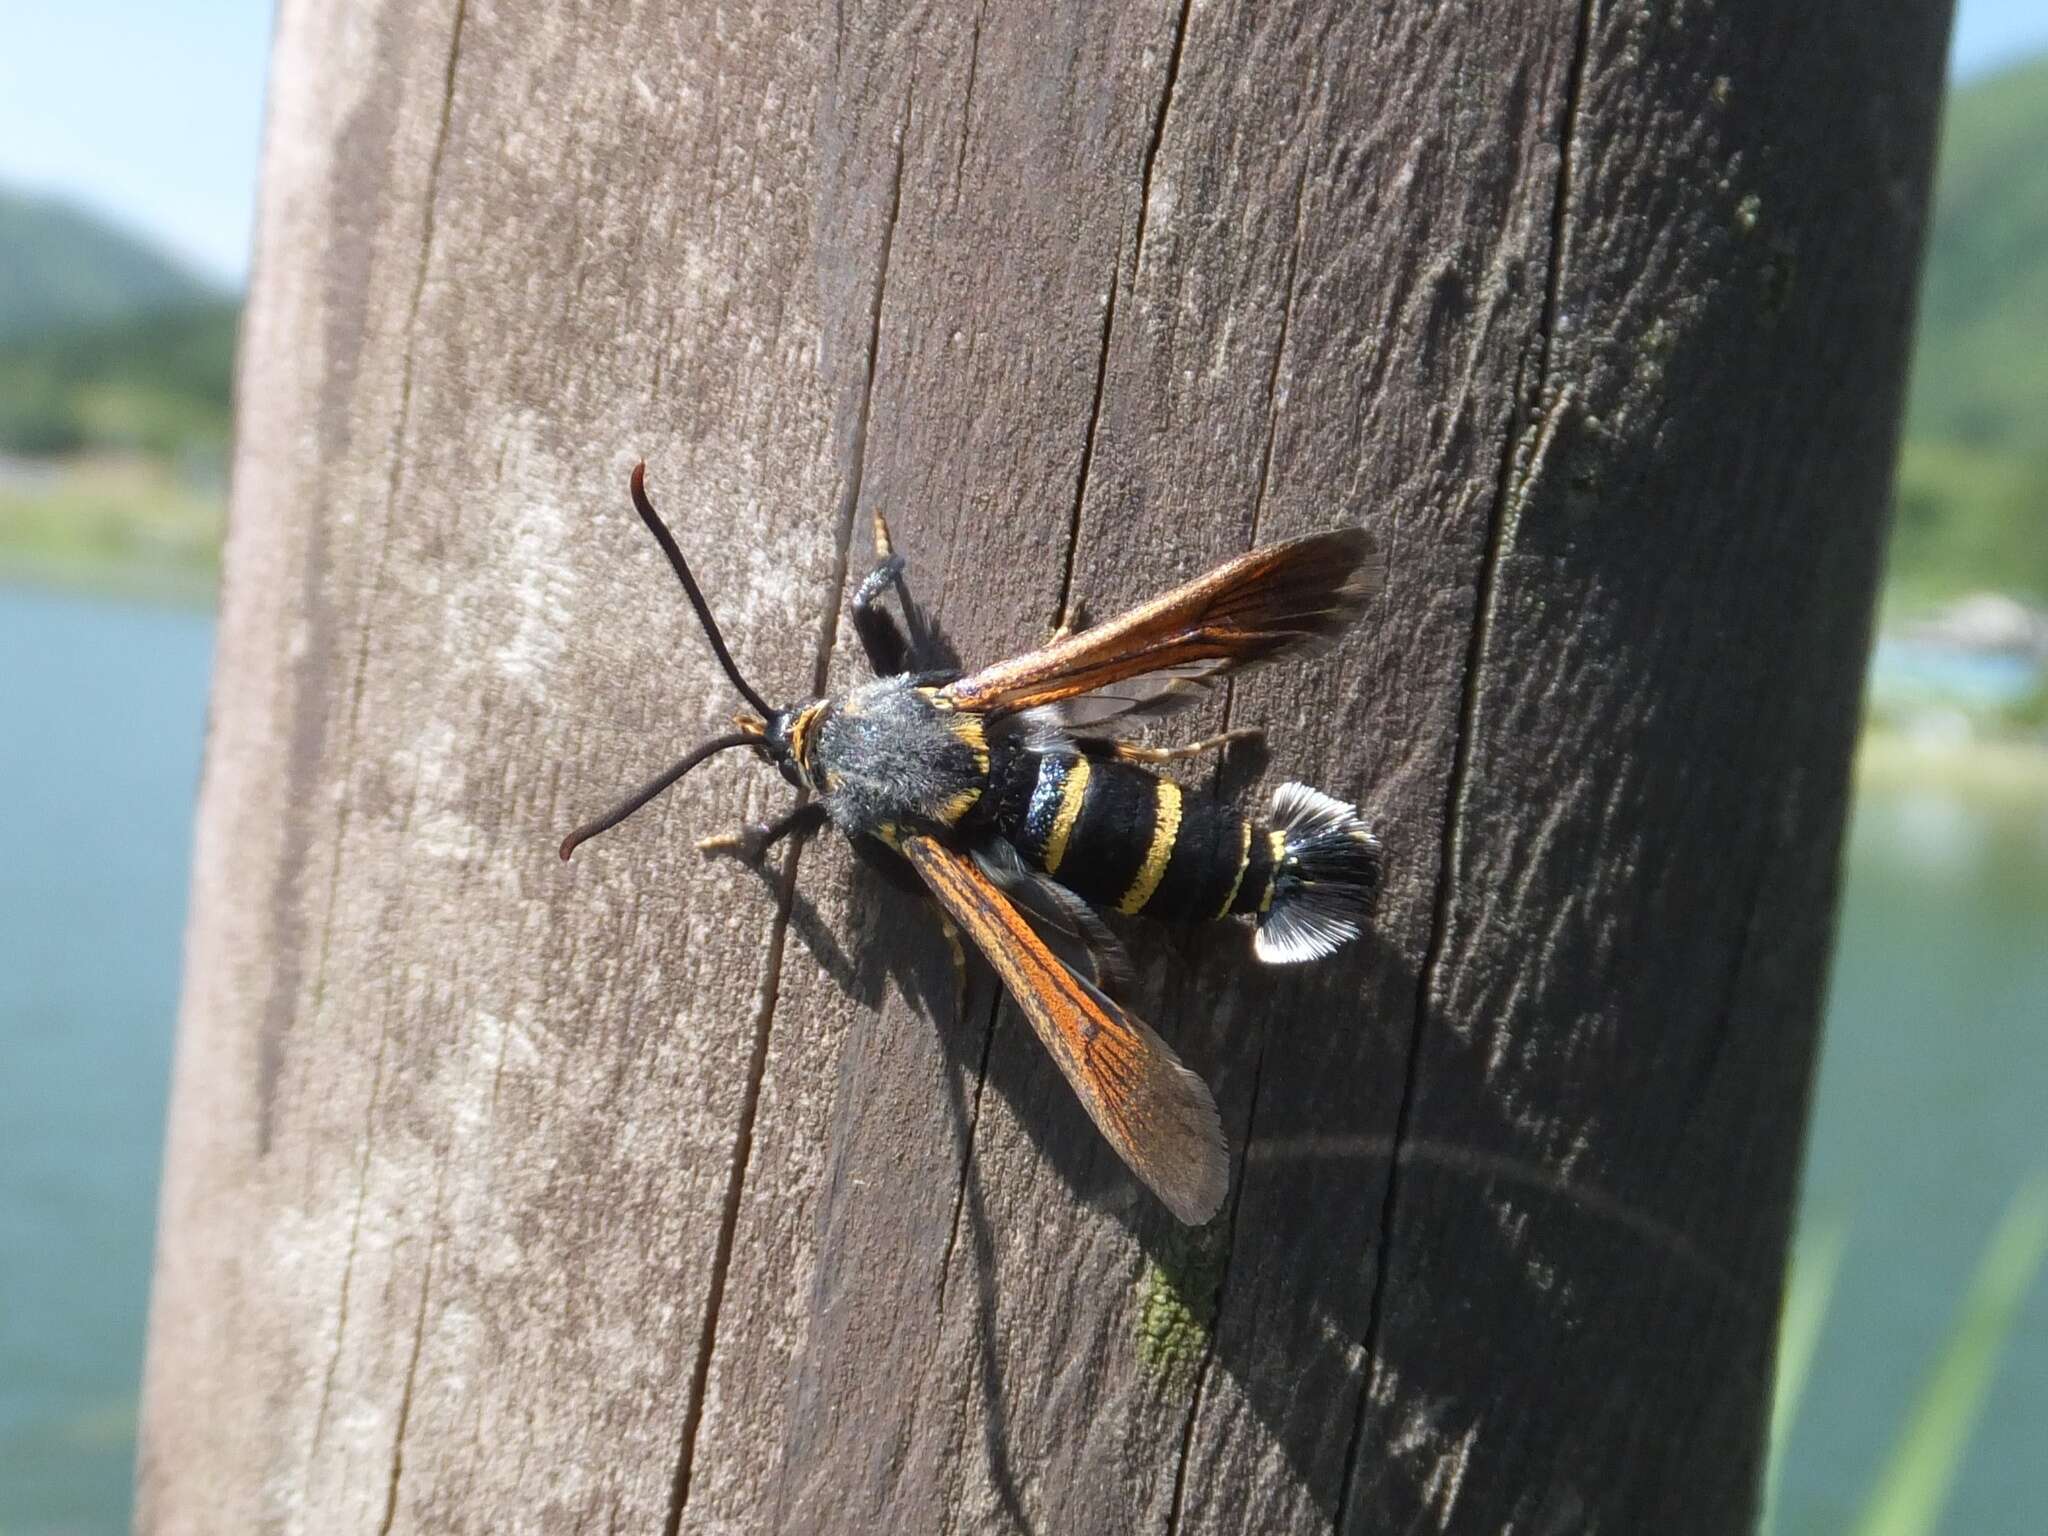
(1247, 611)
(1158, 1115)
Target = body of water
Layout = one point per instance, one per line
(1929, 1113)
(102, 709)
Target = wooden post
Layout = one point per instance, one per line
(644, 1194)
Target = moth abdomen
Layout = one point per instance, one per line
(1125, 838)
(1120, 836)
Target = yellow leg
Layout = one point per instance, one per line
(1075, 619)
(1136, 753)
(751, 842)
(958, 952)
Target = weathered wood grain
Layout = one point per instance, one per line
(651, 1194)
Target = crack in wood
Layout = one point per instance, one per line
(743, 1141)
(1062, 614)
(412, 1364)
(1208, 1360)
(967, 100)
(356, 691)
(1273, 377)
(994, 1441)
(1499, 536)
(1180, 39)
(1063, 611)
(988, 1036)
(963, 1210)
(1752, 909)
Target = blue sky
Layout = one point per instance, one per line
(150, 110)
(145, 110)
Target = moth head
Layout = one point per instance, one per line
(787, 739)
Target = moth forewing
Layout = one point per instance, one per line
(1282, 598)
(1159, 1116)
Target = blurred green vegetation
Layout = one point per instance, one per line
(128, 524)
(1973, 477)
(154, 384)
(1912, 1484)
(116, 369)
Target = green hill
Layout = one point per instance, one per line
(155, 383)
(66, 267)
(1973, 483)
(115, 367)
(106, 344)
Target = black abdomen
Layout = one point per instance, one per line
(1125, 838)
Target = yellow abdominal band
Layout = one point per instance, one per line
(1073, 790)
(1244, 859)
(1165, 826)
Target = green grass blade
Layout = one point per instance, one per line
(1816, 1263)
(1915, 1479)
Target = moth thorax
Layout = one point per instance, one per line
(888, 753)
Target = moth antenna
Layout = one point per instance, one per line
(669, 547)
(651, 788)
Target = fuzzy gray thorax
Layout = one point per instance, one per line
(887, 754)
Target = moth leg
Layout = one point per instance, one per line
(880, 635)
(958, 952)
(1076, 619)
(1140, 754)
(749, 844)
(889, 651)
